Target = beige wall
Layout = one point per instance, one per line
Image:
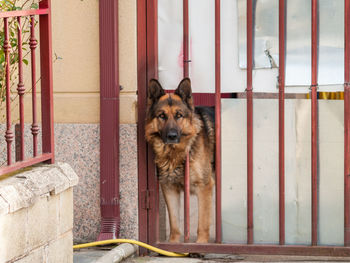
(76, 72)
(76, 78)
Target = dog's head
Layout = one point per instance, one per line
(169, 116)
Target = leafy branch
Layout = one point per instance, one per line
(8, 5)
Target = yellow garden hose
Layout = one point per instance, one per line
(141, 244)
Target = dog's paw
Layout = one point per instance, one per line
(202, 240)
(174, 238)
(202, 236)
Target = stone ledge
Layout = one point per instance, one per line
(23, 190)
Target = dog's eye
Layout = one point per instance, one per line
(178, 115)
(162, 116)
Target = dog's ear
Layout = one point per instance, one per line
(155, 91)
(184, 91)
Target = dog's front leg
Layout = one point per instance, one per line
(172, 199)
(204, 196)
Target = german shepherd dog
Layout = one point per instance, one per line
(173, 128)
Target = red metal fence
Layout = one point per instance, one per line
(148, 186)
(43, 14)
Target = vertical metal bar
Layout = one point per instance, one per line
(35, 127)
(152, 72)
(186, 39)
(141, 103)
(9, 133)
(187, 200)
(281, 79)
(46, 81)
(17, 142)
(187, 167)
(347, 123)
(346, 165)
(20, 87)
(152, 39)
(250, 237)
(314, 125)
(218, 122)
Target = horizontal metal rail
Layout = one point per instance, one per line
(18, 13)
(23, 164)
(257, 249)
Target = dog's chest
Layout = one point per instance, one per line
(172, 176)
(171, 168)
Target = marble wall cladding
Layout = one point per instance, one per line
(79, 145)
(128, 181)
(2, 145)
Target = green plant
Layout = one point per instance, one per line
(8, 5)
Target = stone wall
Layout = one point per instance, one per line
(36, 215)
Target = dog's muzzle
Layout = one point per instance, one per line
(172, 136)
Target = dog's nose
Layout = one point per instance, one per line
(172, 135)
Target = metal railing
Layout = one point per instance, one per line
(43, 14)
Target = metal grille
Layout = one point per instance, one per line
(147, 66)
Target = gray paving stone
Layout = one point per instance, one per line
(88, 256)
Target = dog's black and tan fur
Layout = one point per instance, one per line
(173, 128)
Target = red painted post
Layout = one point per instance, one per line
(9, 133)
(152, 39)
(347, 123)
(17, 142)
(46, 80)
(35, 127)
(109, 120)
(20, 87)
(187, 200)
(281, 79)
(187, 167)
(218, 229)
(314, 113)
(250, 227)
(152, 72)
(346, 164)
(186, 39)
(141, 105)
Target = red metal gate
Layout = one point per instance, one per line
(148, 185)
